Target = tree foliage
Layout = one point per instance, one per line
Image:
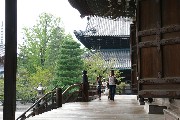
(41, 44)
(1, 89)
(47, 56)
(38, 56)
(95, 64)
(70, 63)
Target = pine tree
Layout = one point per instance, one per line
(70, 64)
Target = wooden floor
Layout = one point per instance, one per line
(125, 107)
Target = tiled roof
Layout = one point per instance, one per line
(121, 57)
(2, 46)
(98, 26)
(104, 33)
(2, 50)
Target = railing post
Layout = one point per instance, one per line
(58, 97)
(85, 86)
(52, 100)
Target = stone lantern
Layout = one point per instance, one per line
(40, 90)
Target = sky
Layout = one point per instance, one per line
(29, 10)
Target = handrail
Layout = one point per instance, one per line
(72, 86)
(65, 96)
(64, 87)
(54, 88)
(68, 89)
(22, 116)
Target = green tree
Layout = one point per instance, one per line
(41, 43)
(70, 64)
(1, 89)
(38, 56)
(95, 64)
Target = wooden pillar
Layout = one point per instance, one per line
(85, 87)
(58, 97)
(10, 60)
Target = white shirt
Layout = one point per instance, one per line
(111, 80)
(104, 83)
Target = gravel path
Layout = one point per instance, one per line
(19, 108)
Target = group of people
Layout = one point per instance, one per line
(110, 85)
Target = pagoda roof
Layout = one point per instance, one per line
(104, 42)
(103, 33)
(99, 26)
(121, 57)
(105, 8)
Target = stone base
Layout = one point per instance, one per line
(152, 108)
(141, 103)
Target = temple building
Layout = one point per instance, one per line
(2, 50)
(111, 38)
(154, 46)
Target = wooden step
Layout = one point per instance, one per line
(173, 112)
(170, 114)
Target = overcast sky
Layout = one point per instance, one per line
(29, 10)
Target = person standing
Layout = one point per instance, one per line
(99, 84)
(104, 83)
(106, 91)
(112, 85)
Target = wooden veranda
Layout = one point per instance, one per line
(157, 41)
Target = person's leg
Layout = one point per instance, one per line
(114, 90)
(100, 94)
(111, 92)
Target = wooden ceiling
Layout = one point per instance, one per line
(105, 8)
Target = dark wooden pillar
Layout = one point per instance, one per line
(58, 97)
(133, 47)
(10, 60)
(85, 87)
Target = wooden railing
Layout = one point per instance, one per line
(92, 92)
(45, 103)
(56, 98)
(72, 93)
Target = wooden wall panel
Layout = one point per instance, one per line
(158, 48)
(149, 62)
(148, 14)
(171, 60)
(170, 12)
